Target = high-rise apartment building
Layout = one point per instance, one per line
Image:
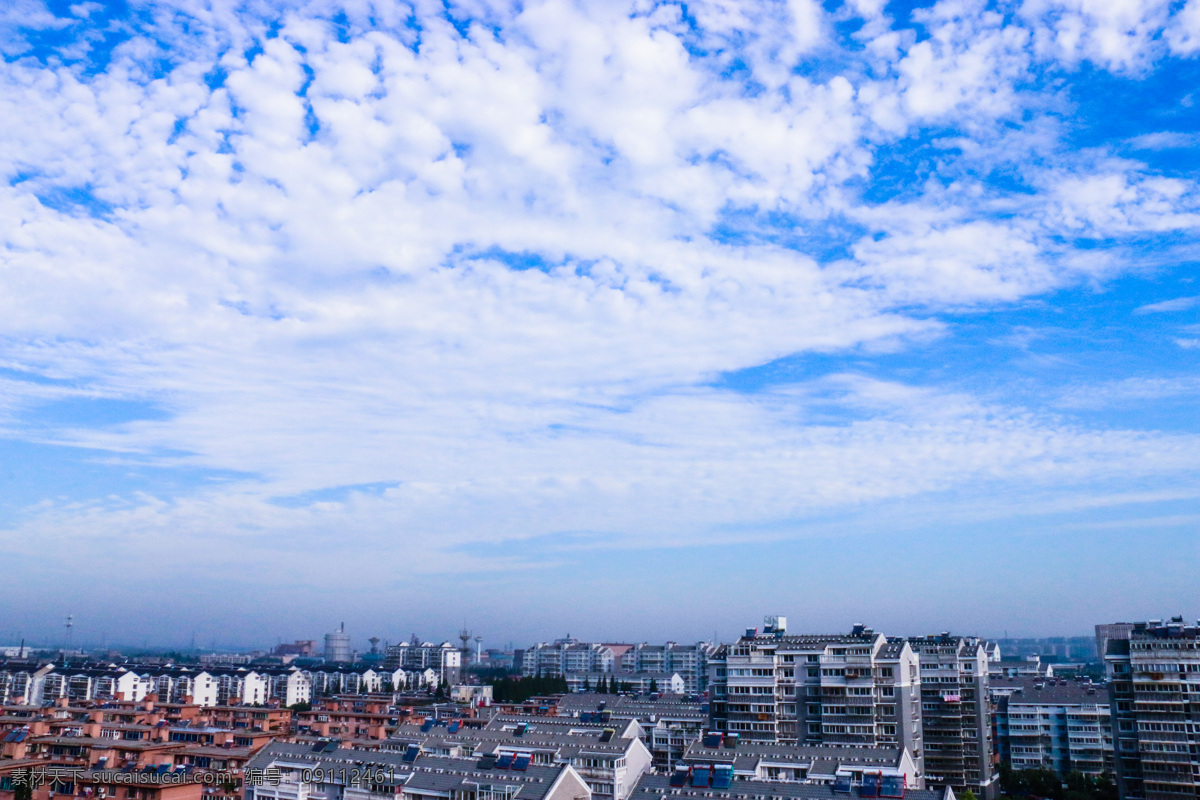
(1154, 684)
(565, 656)
(955, 712)
(688, 661)
(445, 659)
(852, 689)
(1111, 630)
(1062, 725)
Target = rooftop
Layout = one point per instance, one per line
(655, 787)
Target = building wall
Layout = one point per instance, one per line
(854, 689)
(1064, 737)
(1155, 697)
(955, 713)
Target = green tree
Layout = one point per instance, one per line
(653, 685)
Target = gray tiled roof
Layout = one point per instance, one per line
(1053, 692)
(426, 774)
(800, 754)
(654, 787)
(534, 739)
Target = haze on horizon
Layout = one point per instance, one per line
(630, 320)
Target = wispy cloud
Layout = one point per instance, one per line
(1174, 304)
(1165, 140)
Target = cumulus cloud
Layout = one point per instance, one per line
(497, 259)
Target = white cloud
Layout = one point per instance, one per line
(1121, 35)
(1174, 304)
(1165, 140)
(310, 268)
(1183, 31)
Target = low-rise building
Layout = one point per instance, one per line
(803, 763)
(669, 723)
(714, 782)
(609, 764)
(325, 772)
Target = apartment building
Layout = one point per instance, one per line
(325, 772)
(669, 725)
(416, 657)
(1154, 691)
(1052, 724)
(846, 689)
(566, 656)
(44, 684)
(956, 725)
(638, 682)
(803, 763)
(138, 738)
(716, 782)
(688, 661)
(622, 728)
(87, 784)
(1028, 667)
(609, 764)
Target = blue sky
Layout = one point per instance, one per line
(633, 321)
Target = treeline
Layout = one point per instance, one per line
(613, 686)
(518, 690)
(1046, 783)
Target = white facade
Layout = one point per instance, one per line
(205, 689)
(255, 690)
(298, 689)
(131, 686)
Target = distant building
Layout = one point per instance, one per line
(568, 655)
(640, 682)
(337, 646)
(688, 661)
(416, 657)
(302, 648)
(236, 659)
(1028, 667)
(24, 683)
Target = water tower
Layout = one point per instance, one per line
(337, 646)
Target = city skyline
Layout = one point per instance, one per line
(360, 639)
(666, 315)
